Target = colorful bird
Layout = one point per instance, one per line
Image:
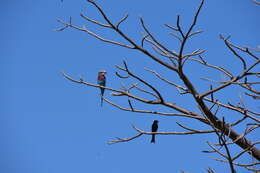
(101, 80)
(154, 129)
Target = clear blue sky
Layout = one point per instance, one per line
(51, 125)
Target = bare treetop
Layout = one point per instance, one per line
(175, 60)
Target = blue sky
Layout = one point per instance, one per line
(49, 124)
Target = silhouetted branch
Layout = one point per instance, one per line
(94, 21)
(152, 112)
(141, 132)
(243, 74)
(122, 20)
(167, 81)
(84, 29)
(252, 95)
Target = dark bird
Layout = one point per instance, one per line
(154, 129)
(101, 80)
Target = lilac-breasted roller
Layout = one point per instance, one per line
(101, 80)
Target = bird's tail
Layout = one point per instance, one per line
(101, 96)
(101, 103)
(153, 139)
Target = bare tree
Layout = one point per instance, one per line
(175, 61)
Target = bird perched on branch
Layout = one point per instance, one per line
(154, 129)
(101, 80)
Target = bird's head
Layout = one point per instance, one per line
(102, 72)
